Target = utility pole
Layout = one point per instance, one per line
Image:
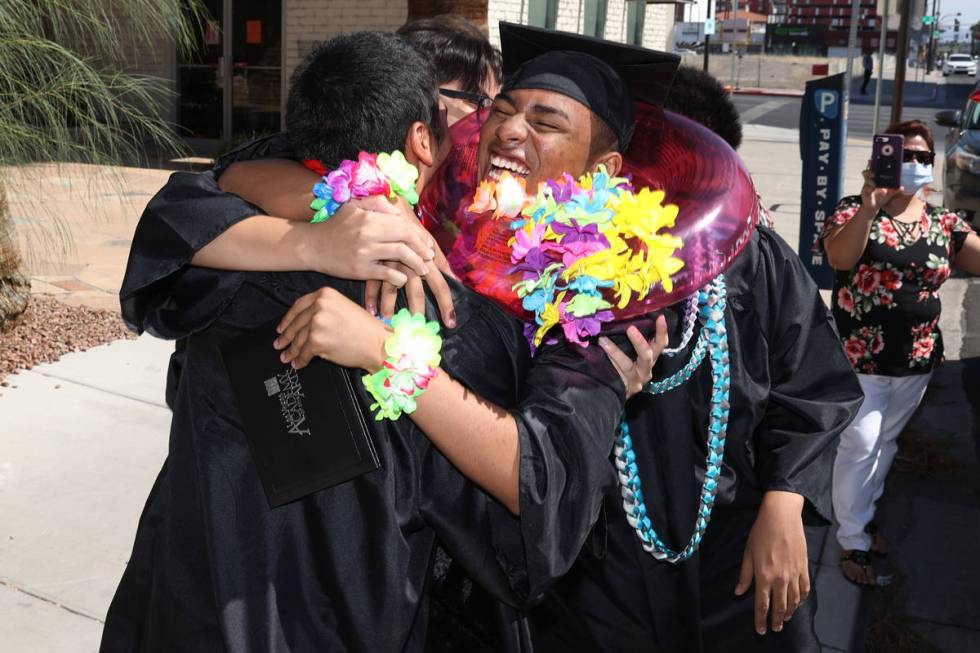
(881, 68)
(851, 44)
(933, 26)
(707, 37)
(901, 57)
(734, 37)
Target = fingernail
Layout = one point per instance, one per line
(603, 342)
(432, 252)
(777, 628)
(279, 328)
(451, 323)
(372, 309)
(275, 344)
(761, 631)
(283, 357)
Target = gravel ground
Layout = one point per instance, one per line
(49, 329)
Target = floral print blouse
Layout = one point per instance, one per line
(887, 307)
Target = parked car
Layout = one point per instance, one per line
(961, 170)
(960, 64)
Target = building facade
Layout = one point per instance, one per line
(235, 85)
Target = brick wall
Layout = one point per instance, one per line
(308, 22)
(568, 18)
(658, 26)
(616, 20)
(506, 10)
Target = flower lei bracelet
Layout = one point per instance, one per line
(381, 174)
(413, 352)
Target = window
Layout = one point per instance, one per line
(542, 13)
(635, 13)
(595, 18)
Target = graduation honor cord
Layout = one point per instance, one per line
(712, 343)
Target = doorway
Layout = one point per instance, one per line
(230, 88)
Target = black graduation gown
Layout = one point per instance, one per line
(348, 568)
(793, 392)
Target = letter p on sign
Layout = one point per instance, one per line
(828, 102)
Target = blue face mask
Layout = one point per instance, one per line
(915, 175)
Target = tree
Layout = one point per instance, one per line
(66, 95)
(473, 10)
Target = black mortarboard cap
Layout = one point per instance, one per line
(603, 75)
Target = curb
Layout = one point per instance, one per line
(775, 92)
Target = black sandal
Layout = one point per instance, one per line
(863, 560)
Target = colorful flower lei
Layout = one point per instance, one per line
(576, 240)
(381, 174)
(413, 352)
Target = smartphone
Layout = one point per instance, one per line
(887, 160)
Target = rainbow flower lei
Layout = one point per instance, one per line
(372, 174)
(577, 241)
(413, 352)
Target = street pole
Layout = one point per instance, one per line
(851, 44)
(707, 37)
(734, 36)
(932, 39)
(901, 55)
(881, 69)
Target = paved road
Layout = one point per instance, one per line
(785, 112)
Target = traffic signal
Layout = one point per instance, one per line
(956, 24)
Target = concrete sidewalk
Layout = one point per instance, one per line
(82, 442)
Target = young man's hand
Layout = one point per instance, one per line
(776, 557)
(327, 324)
(381, 295)
(635, 374)
(364, 235)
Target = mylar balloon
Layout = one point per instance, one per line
(696, 169)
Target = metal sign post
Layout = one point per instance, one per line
(823, 132)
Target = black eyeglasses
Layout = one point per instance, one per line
(480, 100)
(925, 157)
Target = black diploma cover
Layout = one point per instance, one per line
(305, 428)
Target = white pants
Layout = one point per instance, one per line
(866, 451)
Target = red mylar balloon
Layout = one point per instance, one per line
(697, 170)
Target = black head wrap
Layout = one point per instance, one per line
(586, 79)
(606, 77)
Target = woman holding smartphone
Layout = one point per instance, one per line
(892, 251)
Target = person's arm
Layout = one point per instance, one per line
(479, 437)
(846, 235)
(813, 396)
(966, 247)
(282, 187)
(373, 238)
(968, 258)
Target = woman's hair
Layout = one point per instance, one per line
(912, 128)
(459, 51)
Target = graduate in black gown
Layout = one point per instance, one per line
(347, 568)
